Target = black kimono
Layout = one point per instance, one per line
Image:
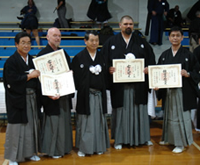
(115, 48)
(130, 122)
(197, 54)
(15, 83)
(176, 16)
(191, 65)
(177, 128)
(22, 133)
(192, 13)
(157, 23)
(98, 11)
(91, 126)
(51, 107)
(84, 80)
(57, 129)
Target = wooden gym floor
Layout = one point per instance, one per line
(141, 155)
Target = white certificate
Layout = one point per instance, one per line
(62, 84)
(165, 76)
(128, 70)
(52, 63)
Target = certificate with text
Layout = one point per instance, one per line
(128, 70)
(62, 84)
(165, 76)
(52, 63)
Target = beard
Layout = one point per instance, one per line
(128, 31)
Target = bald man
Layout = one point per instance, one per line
(56, 131)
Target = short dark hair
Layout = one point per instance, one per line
(88, 32)
(176, 28)
(20, 35)
(126, 17)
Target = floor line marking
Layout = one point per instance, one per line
(5, 162)
(196, 145)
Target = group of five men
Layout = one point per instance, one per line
(92, 71)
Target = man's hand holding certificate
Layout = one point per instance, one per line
(165, 76)
(52, 63)
(128, 70)
(61, 84)
(55, 76)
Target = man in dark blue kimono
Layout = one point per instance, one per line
(159, 9)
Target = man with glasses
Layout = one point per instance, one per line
(21, 84)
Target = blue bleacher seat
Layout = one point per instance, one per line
(1, 67)
(186, 41)
(6, 52)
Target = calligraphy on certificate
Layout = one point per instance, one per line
(52, 63)
(62, 84)
(128, 70)
(165, 76)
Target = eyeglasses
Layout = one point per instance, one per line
(25, 43)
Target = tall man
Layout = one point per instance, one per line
(158, 8)
(57, 130)
(130, 123)
(21, 84)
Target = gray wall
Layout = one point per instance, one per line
(77, 9)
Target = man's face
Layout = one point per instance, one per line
(175, 38)
(54, 37)
(92, 43)
(126, 26)
(24, 46)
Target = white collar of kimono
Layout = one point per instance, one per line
(93, 58)
(128, 40)
(26, 61)
(175, 51)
